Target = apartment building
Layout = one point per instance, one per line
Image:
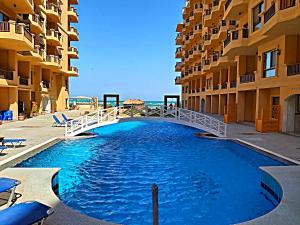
(36, 50)
(240, 59)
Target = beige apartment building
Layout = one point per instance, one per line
(35, 54)
(240, 59)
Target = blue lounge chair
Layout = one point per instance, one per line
(14, 142)
(26, 213)
(8, 185)
(66, 119)
(2, 148)
(57, 122)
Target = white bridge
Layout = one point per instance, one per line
(114, 115)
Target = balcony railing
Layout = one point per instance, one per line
(285, 4)
(233, 84)
(269, 13)
(235, 35)
(224, 85)
(227, 4)
(24, 81)
(247, 78)
(216, 87)
(54, 33)
(53, 58)
(207, 12)
(73, 49)
(5, 26)
(215, 30)
(7, 75)
(38, 19)
(216, 2)
(215, 57)
(293, 70)
(73, 69)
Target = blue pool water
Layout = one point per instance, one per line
(201, 181)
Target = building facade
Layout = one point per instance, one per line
(35, 55)
(241, 59)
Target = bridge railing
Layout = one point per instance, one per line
(207, 123)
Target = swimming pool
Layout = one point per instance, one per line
(201, 181)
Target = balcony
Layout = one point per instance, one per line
(14, 36)
(35, 56)
(179, 27)
(178, 66)
(178, 80)
(235, 9)
(23, 81)
(36, 23)
(72, 15)
(7, 75)
(73, 34)
(293, 70)
(247, 78)
(73, 53)
(179, 52)
(206, 39)
(214, 59)
(73, 2)
(281, 18)
(206, 65)
(53, 13)
(52, 61)
(224, 86)
(19, 6)
(53, 37)
(237, 42)
(73, 71)
(216, 87)
(233, 84)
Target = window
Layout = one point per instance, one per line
(270, 63)
(3, 17)
(256, 18)
(275, 100)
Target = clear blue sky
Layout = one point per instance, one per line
(127, 47)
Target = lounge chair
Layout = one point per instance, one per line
(57, 122)
(66, 119)
(2, 148)
(25, 214)
(8, 185)
(17, 142)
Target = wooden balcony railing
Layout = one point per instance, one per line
(285, 4)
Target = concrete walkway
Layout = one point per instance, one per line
(280, 143)
(35, 130)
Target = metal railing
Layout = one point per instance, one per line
(24, 81)
(7, 75)
(247, 78)
(112, 115)
(269, 13)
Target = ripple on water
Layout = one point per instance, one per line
(110, 177)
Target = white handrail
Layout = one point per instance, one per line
(111, 115)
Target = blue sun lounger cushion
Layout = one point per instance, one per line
(2, 148)
(26, 213)
(7, 184)
(66, 119)
(57, 122)
(14, 142)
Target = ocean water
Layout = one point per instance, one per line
(201, 181)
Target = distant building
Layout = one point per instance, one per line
(35, 54)
(241, 60)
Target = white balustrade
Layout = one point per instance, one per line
(111, 115)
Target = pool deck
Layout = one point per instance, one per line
(38, 131)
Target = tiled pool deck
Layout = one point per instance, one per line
(38, 130)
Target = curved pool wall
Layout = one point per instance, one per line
(110, 177)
